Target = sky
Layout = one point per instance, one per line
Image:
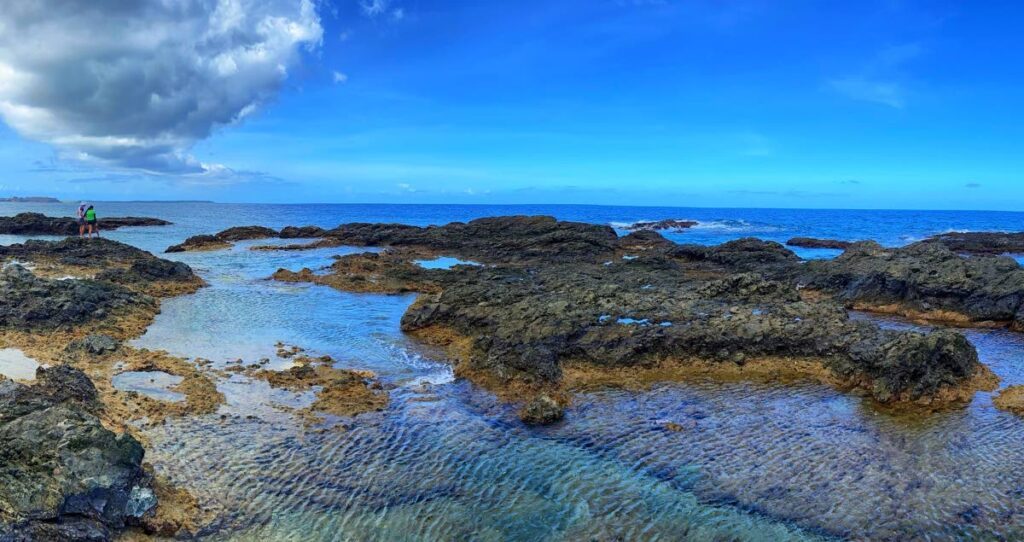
(695, 103)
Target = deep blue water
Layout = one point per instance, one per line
(447, 461)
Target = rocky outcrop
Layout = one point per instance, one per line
(981, 242)
(64, 476)
(199, 243)
(927, 281)
(567, 294)
(39, 224)
(506, 239)
(28, 302)
(810, 242)
(244, 233)
(662, 225)
(106, 261)
(301, 232)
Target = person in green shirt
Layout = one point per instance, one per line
(90, 221)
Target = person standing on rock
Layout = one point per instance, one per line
(81, 218)
(90, 221)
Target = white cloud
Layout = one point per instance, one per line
(339, 77)
(881, 80)
(133, 84)
(868, 90)
(379, 8)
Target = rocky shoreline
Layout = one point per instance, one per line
(557, 299)
(39, 224)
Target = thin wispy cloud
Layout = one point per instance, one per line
(339, 77)
(882, 80)
(378, 9)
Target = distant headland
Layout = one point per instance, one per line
(30, 199)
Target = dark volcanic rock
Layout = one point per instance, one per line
(28, 302)
(662, 225)
(243, 233)
(301, 232)
(981, 242)
(199, 242)
(810, 242)
(927, 280)
(747, 254)
(96, 345)
(541, 410)
(112, 261)
(507, 239)
(64, 476)
(39, 224)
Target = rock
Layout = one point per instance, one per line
(96, 345)
(810, 242)
(981, 242)
(1010, 399)
(662, 225)
(925, 280)
(519, 318)
(301, 232)
(28, 302)
(541, 410)
(243, 233)
(65, 476)
(39, 224)
(506, 239)
(199, 242)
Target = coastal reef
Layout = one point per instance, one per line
(810, 242)
(662, 225)
(39, 224)
(981, 242)
(923, 281)
(558, 305)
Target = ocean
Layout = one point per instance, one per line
(448, 461)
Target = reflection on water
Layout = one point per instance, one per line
(447, 461)
(14, 364)
(155, 384)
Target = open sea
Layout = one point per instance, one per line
(447, 461)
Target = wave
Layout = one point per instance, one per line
(717, 226)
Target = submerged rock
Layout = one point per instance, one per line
(541, 410)
(64, 476)
(810, 242)
(926, 280)
(39, 224)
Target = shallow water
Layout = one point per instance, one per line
(447, 461)
(154, 384)
(443, 262)
(14, 364)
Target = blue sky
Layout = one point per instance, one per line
(872, 104)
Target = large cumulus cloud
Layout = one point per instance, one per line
(133, 84)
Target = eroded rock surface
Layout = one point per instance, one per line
(200, 242)
(982, 242)
(811, 242)
(64, 476)
(243, 233)
(39, 224)
(662, 225)
(926, 280)
(556, 294)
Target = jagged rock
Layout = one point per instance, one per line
(199, 242)
(506, 239)
(541, 410)
(96, 345)
(981, 242)
(64, 476)
(662, 225)
(926, 280)
(28, 302)
(810, 242)
(301, 232)
(39, 224)
(243, 233)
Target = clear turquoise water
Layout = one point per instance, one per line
(447, 461)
